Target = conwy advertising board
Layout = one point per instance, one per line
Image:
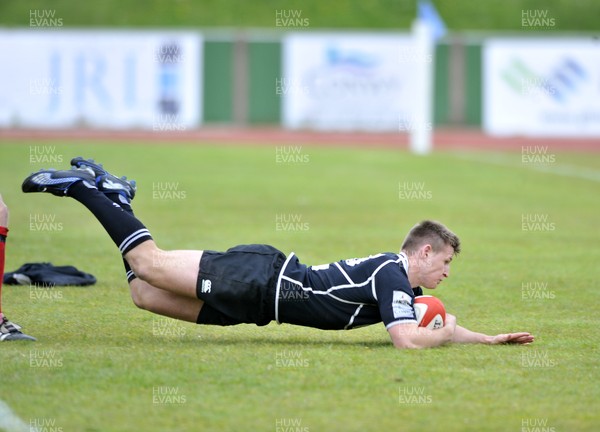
(338, 81)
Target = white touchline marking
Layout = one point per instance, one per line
(10, 422)
(570, 171)
(564, 170)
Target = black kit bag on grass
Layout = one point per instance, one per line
(48, 275)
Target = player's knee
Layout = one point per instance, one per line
(139, 296)
(143, 268)
(145, 261)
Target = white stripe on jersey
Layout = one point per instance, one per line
(278, 287)
(393, 323)
(309, 289)
(352, 317)
(328, 292)
(404, 260)
(337, 264)
(375, 272)
(370, 280)
(350, 285)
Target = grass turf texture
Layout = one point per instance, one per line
(100, 364)
(567, 15)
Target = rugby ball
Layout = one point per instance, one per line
(430, 312)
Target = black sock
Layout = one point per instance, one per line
(119, 199)
(125, 230)
(128, 272)
(125, 205)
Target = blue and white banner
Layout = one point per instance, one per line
(353, 81)
(542, 87)
(112, 79)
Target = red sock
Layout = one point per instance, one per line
(3, 234)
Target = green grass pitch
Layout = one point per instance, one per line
(529, 262)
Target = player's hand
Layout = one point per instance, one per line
(450, 324)
(450, 320)
(512, 338)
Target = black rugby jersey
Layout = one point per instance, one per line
(346, 294)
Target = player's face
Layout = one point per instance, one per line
(436, 266)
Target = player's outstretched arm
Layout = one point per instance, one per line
(411, 336)
(463, 335)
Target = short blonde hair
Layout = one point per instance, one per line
(433, 233)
